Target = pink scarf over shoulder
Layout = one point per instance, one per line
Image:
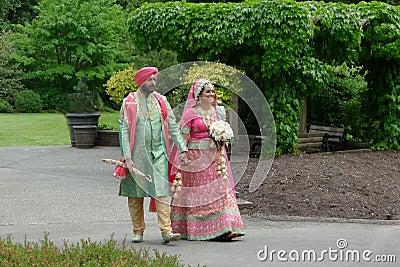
(132, 111)
(131, 108)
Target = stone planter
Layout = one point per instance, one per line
(107, 138)
(77, 119)
(85, 136)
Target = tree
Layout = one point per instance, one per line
(70, 39)
(5, 6)
(16, 11)
(10, 74)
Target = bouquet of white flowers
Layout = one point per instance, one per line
(221, 131)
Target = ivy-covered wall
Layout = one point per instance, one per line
(291, 50)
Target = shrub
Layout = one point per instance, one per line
(87, 253)
(28, 101)
(11, 75)
(97, 101)
(121, 83)
(53, 98)
(5, 107)
(107, 109)
(107, 126)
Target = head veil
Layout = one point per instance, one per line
(188, 115)
(193, 99)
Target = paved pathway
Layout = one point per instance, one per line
(70, 194)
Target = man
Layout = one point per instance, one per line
(146, 120)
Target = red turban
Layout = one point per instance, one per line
(142, 75)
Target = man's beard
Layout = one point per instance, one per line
(148, 90)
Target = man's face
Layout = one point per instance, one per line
(150, 85)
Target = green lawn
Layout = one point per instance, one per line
(40, 129)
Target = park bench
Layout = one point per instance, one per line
(322, 138)
(311, 142)
(333, 138)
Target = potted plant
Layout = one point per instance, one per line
(83, 118)
(107, 135)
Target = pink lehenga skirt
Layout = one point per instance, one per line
(206, 206)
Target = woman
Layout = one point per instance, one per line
(204, 207)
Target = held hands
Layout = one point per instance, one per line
(184, 157)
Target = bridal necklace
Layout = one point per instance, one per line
(206, 115)
(209, 113)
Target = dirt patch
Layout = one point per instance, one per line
(356, 185)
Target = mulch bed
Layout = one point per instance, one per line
(356, 185)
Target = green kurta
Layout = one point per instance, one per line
(149, 151)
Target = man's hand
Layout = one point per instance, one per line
(129, 164)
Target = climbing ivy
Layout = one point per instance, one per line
(290, 49)
(380, 54)
(337, 31)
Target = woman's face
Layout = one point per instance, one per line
(208, 93)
